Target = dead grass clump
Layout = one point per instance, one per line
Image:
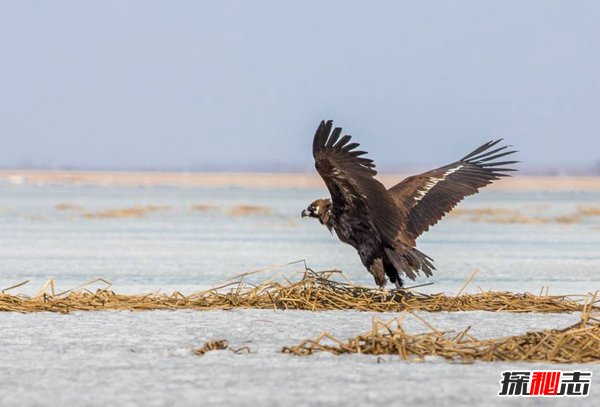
(210, 346)
(480, 212)
(290, 223)
(579, 343)
(499, 215)
(514, 218)
(68, 207)
(312, 292)
(133, 212)
(36, 218)
(204, 208)
(568, 219)
(589, 210)
(249, 210)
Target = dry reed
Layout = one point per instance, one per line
(579, 343)
(314, 291)
(249, 210)
(204, 207)
(480, 211)
(133, 212)
(589, 210)
(501, 215)
(515, 218)
(69, 207)
(210, 346)
(569, 218)
(36, 218)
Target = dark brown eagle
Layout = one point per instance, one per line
(383, 224)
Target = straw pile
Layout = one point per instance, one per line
(314, 291)
(579, 343)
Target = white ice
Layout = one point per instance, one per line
(126, 358)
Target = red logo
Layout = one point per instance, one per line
(545, 383)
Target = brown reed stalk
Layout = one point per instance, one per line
(312, 291)
(210, 346)
(579, 343)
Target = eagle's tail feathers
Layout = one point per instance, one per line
(410, 261)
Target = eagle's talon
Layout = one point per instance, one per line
(385, 294)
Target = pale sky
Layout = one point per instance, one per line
(243, 84)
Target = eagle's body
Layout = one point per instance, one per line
(383, 225)
(359, 233)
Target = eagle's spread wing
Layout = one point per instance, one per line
(349, 178)
(429, 196)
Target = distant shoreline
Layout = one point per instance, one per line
(262, 180)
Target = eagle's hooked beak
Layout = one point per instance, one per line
(304, 214)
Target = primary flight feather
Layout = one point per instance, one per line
(383, 224)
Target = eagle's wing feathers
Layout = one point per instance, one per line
(429, 196)
(350, 180)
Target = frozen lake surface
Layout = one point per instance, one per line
(127, 358)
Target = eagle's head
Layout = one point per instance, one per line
(319, 209)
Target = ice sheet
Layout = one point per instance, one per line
(108, 358)
(127, 358)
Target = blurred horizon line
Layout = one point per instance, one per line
(289, 168)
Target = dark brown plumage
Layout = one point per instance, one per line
(383, 225)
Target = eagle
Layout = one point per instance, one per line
(384, 224)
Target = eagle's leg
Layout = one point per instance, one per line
(377, 269)
(392, 273)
